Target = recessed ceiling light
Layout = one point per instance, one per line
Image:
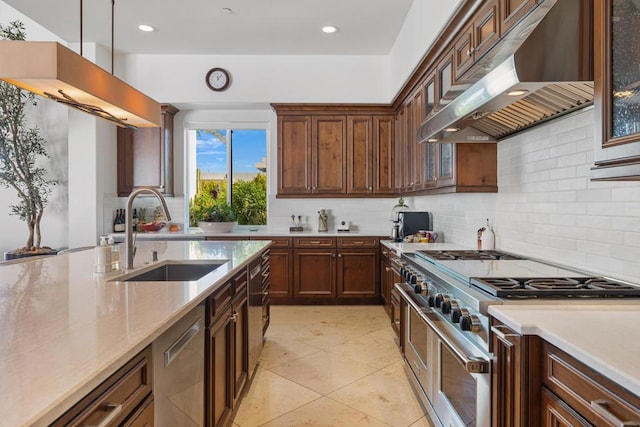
(451, 130)
(146, 28)
(226, 10)
(329, 29)
(432, 140)
(517, 92)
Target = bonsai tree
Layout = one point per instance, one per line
(20, 148)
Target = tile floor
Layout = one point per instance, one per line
(330, 366)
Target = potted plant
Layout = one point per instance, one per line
(21, 148)
(211, 213)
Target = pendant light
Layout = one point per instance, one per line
(54, 71)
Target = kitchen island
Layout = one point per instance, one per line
(63, 331)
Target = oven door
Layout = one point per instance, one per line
(462, 379)
(418, 349)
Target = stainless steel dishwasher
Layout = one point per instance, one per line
(178, 372)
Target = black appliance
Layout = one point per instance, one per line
(411, 222)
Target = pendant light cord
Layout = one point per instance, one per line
(113, 4)
(80, 27)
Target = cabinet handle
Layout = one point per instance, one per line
(234, 316)
(113, 410)
(265, 293)
(497, 329)
(339, 255)
(314, 242)
(370, 188)
(358, 243)
(333, 255)
(600, 407)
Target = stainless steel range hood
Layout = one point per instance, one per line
(541, 69)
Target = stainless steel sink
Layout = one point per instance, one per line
(174, 272)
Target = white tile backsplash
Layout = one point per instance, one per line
(547, 207)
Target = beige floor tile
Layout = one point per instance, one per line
(377, 349)
(323, 372)
(384, 396)
(325, 413)
(278, 351)
(396, 368)
(271, 396)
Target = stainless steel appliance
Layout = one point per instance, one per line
(447, 330)
(178, 372)
(410, 222)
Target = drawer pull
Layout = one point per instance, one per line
(600, 407)
(358, 243)
(314, 242)
(498, 330)
(234, 316)
(265, 293)
(113, 410)
(184, 339)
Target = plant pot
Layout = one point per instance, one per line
(217, 227)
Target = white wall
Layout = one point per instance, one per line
(422, 24)
(262, 79)
(51, 119)
(547, 207)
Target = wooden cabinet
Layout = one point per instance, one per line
(265, 273)
(145, 156)
(335, 269)
(480, 35)
(616, 83)
(515, 378)
(512, 11)
(122, 399)
(227, 349)
(591, 395)
(281, 269)
(337, 151)
(358, 267)
(370, 147)
(556, 413)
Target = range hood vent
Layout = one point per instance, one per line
(542, 69)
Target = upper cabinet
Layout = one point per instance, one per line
(617, 90)
(512, 11)
(335, 151)
(145, 156)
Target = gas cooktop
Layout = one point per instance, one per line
(555, 287)
(447, 255)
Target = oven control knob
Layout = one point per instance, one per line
(438, 300)
(471, 323)
(445, 307)
(456, 314)
(421, 288)
(465, 323)
(414, 279)
(431, 301)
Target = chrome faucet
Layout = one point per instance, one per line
(129, 249)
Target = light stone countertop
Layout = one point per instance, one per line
(603, 337)
(197, 234)
(62, 331)
(402, 247)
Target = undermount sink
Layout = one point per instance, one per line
(174, 272)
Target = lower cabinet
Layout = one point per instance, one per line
(219, 375)
(314, 272)
(125, 398)
(535, 383)
(358, 273)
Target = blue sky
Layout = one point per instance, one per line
(249, 147)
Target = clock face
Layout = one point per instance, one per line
(217, 79)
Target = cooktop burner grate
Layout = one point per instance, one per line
(465, 255)
(555, 287)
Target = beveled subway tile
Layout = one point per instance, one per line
(384, 396)
(325, 413)
(270, 396)
(323, 372)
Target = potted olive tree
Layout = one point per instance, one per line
(21, 147)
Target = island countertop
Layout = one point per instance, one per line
(64, 331)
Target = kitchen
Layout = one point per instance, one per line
(546, 207)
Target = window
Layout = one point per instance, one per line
(229, 165)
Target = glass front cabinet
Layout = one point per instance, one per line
(617, 90)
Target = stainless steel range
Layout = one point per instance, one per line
(447, 332)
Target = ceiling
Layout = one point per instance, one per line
(254, 27)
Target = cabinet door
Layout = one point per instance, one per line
(240, 334)
(383, 153)
(476, 39)
(219, 396)
(314, 272)
(328, 154)
(463, 51)
(616, 83)
(513, 11)
(446, 160)
(418, 149)
(399, 150)
(358, 273)
(143, 415)
(294, 154)
(145, 156)
(506, 379)
(359, 155)
(409, 146)
(281, 273)
(556, 413)
(445, 92)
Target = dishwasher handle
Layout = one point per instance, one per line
(172, 352)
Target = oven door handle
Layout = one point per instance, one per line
(472, 364)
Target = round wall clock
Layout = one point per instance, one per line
(218, 79)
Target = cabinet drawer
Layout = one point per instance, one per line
(358, 242)
(240, 283)
(218, 301)
(315, 242)
(592, 395)
(143, 416)
(116, 398)
(278, 242)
